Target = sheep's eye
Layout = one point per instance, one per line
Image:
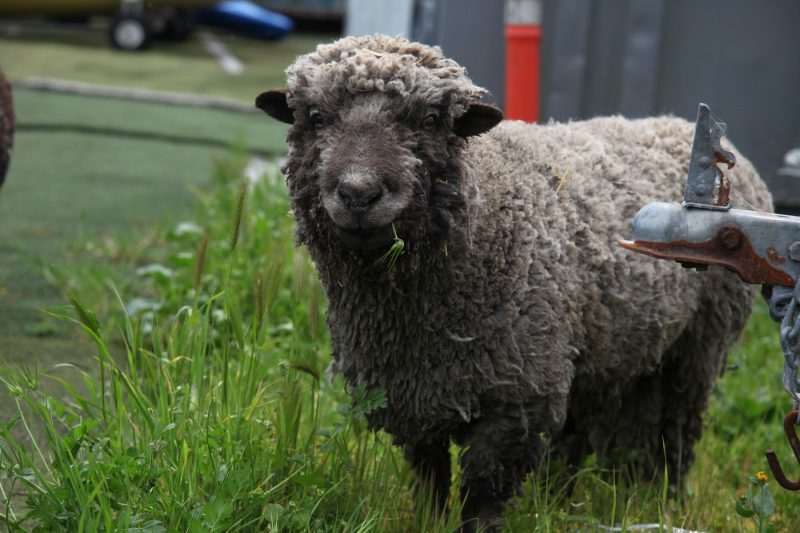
(431, 120)
(314, 115)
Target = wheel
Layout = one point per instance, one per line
(129, 32)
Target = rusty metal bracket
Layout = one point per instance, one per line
(708, 187)
(754, 245)
(763, 248)
(789, 428)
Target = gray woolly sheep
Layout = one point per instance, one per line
(6, 126)
(512, 321)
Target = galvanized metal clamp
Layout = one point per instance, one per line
(762, 248)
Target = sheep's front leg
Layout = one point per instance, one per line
(431, 462)
(500, 453)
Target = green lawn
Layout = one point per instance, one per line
(184, 67)
(88, 169)
(73, 195)
(88, 173)
(69, 188)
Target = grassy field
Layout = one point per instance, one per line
(184, 67)
(175, 382)
(70, 192)
(89, 170)
(211, 414)
(89, 173)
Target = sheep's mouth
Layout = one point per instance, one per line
(366, 238)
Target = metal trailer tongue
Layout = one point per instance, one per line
(762, 248)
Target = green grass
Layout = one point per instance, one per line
(83, 198)
(71, 194)
(175, 127)
(183, 67)
(88, 169)
(211, 412)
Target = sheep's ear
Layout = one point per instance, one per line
(274, 104)
(479, 118)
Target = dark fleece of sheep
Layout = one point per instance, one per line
(512, 321)
(6, 126)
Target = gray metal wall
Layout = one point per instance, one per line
(469, 31)
(365, 17)
(645, 57)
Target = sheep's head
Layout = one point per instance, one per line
(378, 125)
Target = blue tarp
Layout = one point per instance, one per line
(247, 18)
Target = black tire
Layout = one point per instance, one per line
(129, 32)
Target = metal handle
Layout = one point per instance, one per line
(789, 425)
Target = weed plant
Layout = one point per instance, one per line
(209, 409)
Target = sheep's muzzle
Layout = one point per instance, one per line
(362, 206)
(366, 239)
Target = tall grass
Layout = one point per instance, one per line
(208, 409)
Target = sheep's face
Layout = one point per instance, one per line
(377, 159)
(369, 167)
(378, 127)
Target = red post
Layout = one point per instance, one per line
(523, 45)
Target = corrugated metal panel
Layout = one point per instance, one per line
(309, 6)
(469, 31)
(644, 57)
(391, 17)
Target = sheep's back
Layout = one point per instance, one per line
(552, 203)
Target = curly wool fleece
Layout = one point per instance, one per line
(379, 63)
(512, 321)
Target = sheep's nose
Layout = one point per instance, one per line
(359, 196)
